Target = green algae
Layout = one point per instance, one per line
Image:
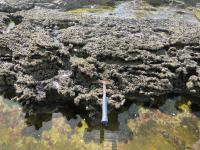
(196, 12)
(155, 130)
(56, 138)
(152, 130)
(93, 9)
(184, 106)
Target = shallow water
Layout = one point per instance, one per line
(191, 2)
(139, 127)
(143, 10)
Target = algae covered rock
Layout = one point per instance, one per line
(196, 12)
(152, 129)
(17, 5)
(92, 9)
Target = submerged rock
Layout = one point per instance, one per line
(170, 107)
(133, 110)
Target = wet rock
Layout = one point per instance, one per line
(158, 2)
(17, 5)
(177, 3)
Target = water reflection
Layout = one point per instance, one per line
(138, 126)
(149, 9)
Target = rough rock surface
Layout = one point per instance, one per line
(17, 5)
(53, 56)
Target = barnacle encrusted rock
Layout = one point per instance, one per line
(54, 56)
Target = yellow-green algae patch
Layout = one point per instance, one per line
(57, 138)
(155, 130)
(184, 106)
(152, 130)
(93, 9)
(196, 12)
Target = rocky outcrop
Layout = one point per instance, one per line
(177, 3)
(17, 5)
(58, 57)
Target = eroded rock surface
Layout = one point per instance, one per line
(17, 5)
(53, 56)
